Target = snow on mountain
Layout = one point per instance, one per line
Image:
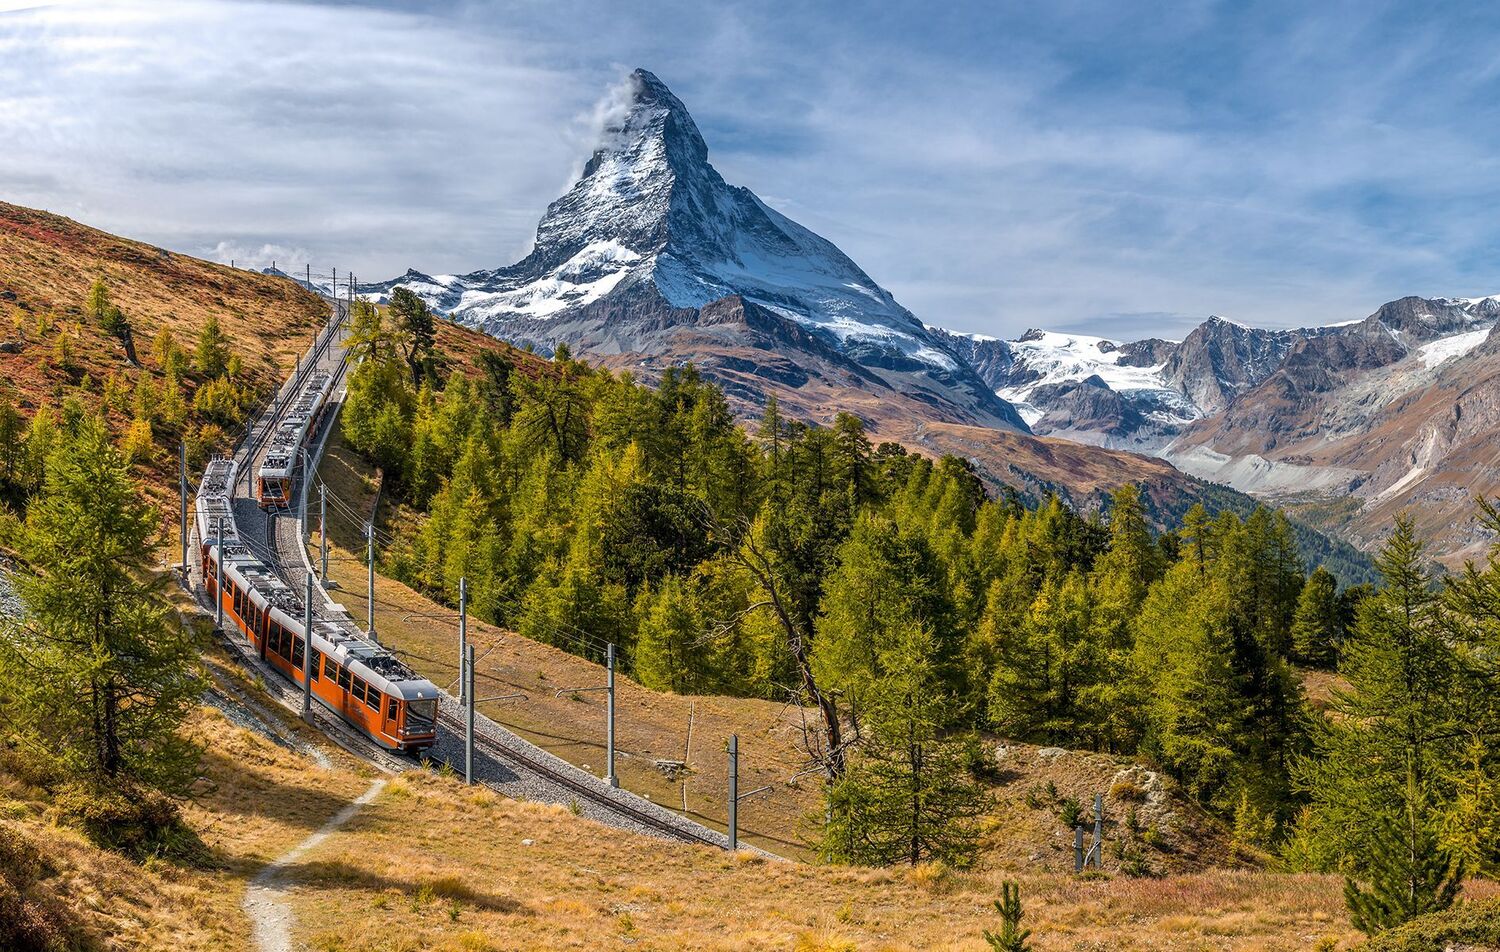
(1446, 348)
(649, 209)
(1046, 359)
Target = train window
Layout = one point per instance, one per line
(421, 716)
(317, 665)
(392, 709)
(358, 690)
(372, 699)
(239, 599)
(344, 679)
(296, 652)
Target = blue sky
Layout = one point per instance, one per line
(1123, 169)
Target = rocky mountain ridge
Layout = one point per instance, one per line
(1349, 421)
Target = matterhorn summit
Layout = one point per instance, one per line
(651, 235)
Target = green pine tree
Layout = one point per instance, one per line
(1316, 626)
(671, 649)
(99, 673)
(418, 330)
(909, 796)
(1409, 872)
(211, 357)
(1011, 937)
(1387, 755)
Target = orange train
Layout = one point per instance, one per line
(353, 676)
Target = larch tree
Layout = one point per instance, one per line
(98, 672)
(909, 795)
(211, 356)
(1317, 625)
(1386, 755)
(419, 330)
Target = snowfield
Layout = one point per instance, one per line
(1447, 348)
(1055, 358)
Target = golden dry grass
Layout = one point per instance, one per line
(431, 864)
(253, 800)
(477, 871)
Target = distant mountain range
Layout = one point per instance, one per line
(652, 260)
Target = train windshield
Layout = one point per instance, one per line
(421, 716)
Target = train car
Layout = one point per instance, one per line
(273, 483)
(351, 675)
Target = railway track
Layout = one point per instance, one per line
(604, 799)
(503, 761)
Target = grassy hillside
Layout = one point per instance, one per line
(47, 266)
(433, 865)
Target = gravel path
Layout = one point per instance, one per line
(271, 917)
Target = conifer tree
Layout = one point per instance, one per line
(1410, 873)
(1387, 753)
(98, 674)
(419, 330)
(211, 357)
(12, 443)
(908, 796)
(1316, 627)
(671, 650)
(41, 439)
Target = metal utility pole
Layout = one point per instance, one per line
(323, 526)
(182, 489)
(309, 277)
(609, 660)
(609, 727)
(463, 633)
(734, 792)
(307, 650)
(303, 531)
(219, 575)
(468, 676)
(370, 587)
(1097, 847)
(333, 289)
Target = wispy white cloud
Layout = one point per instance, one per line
(1079, 164)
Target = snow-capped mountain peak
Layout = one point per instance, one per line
(650, 225)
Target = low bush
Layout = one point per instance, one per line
(139, 822)
(1468, 924)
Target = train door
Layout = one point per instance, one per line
(391, 723)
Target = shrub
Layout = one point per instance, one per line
(1474, 923)
(1070, 812)
(934, 877)
(137, 821)
(1127, 791)
(139, 445)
